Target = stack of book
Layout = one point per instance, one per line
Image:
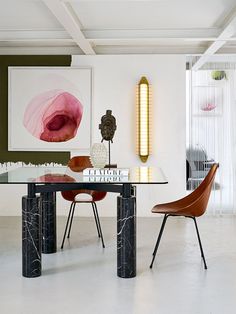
(106, 172)
(110, 179)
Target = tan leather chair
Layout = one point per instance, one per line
(78, 164)
(191, 206)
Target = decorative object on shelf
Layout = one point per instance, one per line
(218, 75)
(108, 128)
(143, 119)
(98, 155)
(208, 107)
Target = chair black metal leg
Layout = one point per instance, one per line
(71, 220)
(158, 239)
(95, 217)
(67, 222)
(99, 225)
(160, 234)
(200, 244)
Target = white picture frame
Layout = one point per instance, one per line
(25, 83)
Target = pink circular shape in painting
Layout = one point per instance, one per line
(208, 107)
(53, 116)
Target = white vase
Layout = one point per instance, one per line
(98, 155)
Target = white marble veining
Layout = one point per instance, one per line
(31, 242)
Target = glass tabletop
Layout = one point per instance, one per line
(41, 174)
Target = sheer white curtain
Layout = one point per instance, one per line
(211, 131)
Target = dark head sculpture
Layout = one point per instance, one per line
(108, 126)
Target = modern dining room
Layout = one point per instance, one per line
(117, 156)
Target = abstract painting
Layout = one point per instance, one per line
(49, 109)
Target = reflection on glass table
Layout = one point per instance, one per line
(137, 175)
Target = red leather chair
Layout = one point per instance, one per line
(78, 164)
(191, 206)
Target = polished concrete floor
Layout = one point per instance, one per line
(82, 278)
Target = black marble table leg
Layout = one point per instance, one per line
(31, 236)
(49, 231)
(126, 233)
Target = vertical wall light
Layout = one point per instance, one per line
(143, 119)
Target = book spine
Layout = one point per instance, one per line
(105, 172)
(105, 179)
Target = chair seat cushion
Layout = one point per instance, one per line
(83, 197)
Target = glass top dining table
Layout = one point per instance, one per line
(42, 174)
(39, 233)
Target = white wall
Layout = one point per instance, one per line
(114, 87)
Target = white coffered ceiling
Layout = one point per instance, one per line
(114, 27)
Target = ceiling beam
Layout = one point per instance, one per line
(30, 34)
(119, 37)
(152, 33)
(152, 41)
(63, 12)
(116, 35)
(227, 32)
(141, 49)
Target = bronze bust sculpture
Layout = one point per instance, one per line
(108, 126)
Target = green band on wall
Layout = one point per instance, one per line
(27, 157)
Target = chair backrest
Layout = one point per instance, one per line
(78, 164)
(196, 202)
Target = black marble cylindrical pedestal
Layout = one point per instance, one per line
(31, 236)
(49, 231)
(126, 237)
